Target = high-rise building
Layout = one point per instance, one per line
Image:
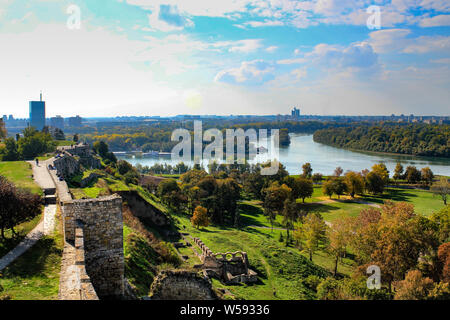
(57, 122)
(75, 121)
(295, 113)
(5, 118)
(37, 114)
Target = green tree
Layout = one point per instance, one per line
(307, 170)
(354, 182)
(11, 152)
(290, 214)
(374, 183)
(339, 186)
(274, 199)
(312, 233)
(339, 235)
(328, 188)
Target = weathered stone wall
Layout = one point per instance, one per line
(103, 241)
(75, 284)
(66, 166)
(181, 285)
(232, 267)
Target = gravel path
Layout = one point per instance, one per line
(45, 227)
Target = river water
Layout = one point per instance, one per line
(324, 159)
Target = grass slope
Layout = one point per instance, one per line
(20, 173)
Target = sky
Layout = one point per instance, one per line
(169, 57)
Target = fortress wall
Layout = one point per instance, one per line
(103, 241)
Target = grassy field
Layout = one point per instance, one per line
(20, 173)
(280, 269)
(22, 230)
(424, 201)
(35, 275)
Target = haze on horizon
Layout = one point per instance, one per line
(169, 57)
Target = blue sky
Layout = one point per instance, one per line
(168, 57)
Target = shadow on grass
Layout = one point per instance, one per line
(36, 260)
(390, 194)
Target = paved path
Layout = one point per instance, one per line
(45, 227)
(22, 247)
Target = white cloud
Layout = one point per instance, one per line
(240, 46)
(250, 72)
(272, 49)
(436, 21)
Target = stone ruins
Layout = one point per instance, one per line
(230, 267)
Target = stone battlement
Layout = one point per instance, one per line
(232, 267)
(101, 239)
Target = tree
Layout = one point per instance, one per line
(2, 130)
(169, 192)
(75, 137)
(307, 170)
(11, 152)
(412, 175)
(338, 171)
(124, 167)
(427, 176)
(317, 177)
(17, 206)
(339, 235)
(374, 183)
(398, 172)
(354, 182)
(290, 214)
(312, 233)
(301, 187)
(442, 220)
(328, 188)
(274, 199)
(414, 287)
(34, 143)
(441, 189)
(339, 186)
(200, 217)
(382, 171)
(444, 261)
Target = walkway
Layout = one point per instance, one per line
(46, 226)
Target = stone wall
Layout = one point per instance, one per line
(69, 160)
(66, 166)
(103, 241)
(231, 267)
(181, 285)
(75, 283)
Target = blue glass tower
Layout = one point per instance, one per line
(37, 114)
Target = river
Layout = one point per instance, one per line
(324, 159)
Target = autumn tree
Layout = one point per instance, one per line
(441, 189)
(414, 287)
(339, 186)
(317, 177)
(312, 233)
(16, 206)
(339, 235)
(300, 187)
(354, 182)
(444, 261)
(427, 176)
(398, 172)
(381, 170)
(307, 170)
(442, 220)
(200, 217)
(412, 175)
(328, 188)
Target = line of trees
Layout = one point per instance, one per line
(414, 139)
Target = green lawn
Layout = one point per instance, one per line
(19, 173)
(424, 201)
(280, 269)
(22, 230)
(35, 275)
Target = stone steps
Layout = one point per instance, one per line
(49, 191)
(50, 199)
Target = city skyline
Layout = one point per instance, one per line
(165, 58)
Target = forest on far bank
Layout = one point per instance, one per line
(413, 139)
